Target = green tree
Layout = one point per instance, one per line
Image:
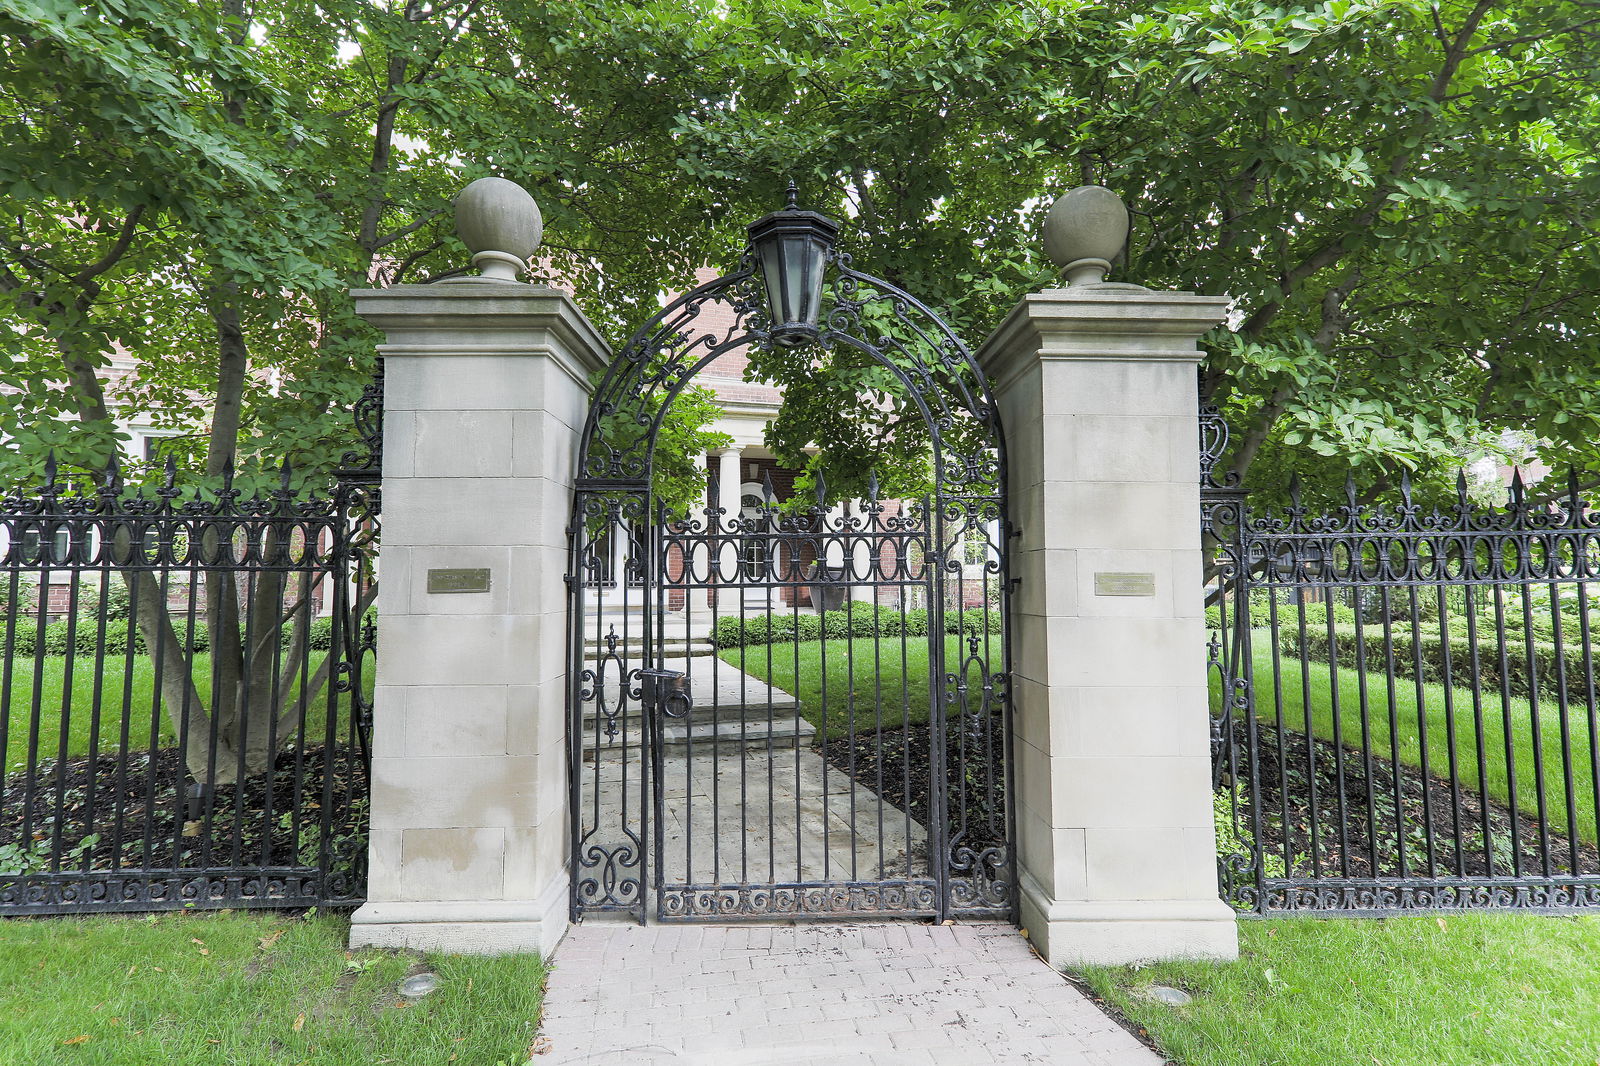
(1401, 196)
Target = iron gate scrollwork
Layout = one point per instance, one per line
(1404, 700)
(185, 679)
(818, 726)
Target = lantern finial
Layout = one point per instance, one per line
(792, 247)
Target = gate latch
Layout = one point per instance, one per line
(666, 689)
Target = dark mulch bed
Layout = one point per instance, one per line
(907, 779)
(1361, 835)
(1362, 825)
(132, 811)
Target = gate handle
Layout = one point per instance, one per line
(666, 689)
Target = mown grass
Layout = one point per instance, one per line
(1429, 712)
(196, 990)
(1453, 990)
(849, 686)
(121, 681)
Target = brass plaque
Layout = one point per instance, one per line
(458, 580)
(1109, 584)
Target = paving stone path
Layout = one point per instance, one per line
(900, 994)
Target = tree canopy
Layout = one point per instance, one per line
(1401, 196)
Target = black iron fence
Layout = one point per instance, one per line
(185, 693)
(1404, 701)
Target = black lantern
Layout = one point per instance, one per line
(792, 247)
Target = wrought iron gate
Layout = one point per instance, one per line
(1404, 700)
(784, 706)
(185, 690)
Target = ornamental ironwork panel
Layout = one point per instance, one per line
(185, 691)
(1404, 707)
(791, 705)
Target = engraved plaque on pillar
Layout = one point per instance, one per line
(458, 581)
(1117, 584)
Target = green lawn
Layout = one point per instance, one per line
(1453, 990)
(197, 990)
(861, 673)
(1436, 711)
(120, 677)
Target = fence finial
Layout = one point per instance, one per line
(501, 225)
(1084, 231)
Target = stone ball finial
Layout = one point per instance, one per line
(501, 225)
(1084, 231)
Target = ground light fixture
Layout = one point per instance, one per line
(792, 249)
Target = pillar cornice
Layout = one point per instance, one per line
(479, 316)
(1099, 323)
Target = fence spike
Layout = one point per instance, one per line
(113, 480)
(1294, 491)
(766, 487)
(1518, 489)
(1350, 489)
(1461, 488)
(1574, 493)
(50, 471)
(171, 473)
(872, 486)
(227, 473)
(822, 490)
(1405, 487)
(285, 474)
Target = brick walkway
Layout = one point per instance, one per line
(885, 995)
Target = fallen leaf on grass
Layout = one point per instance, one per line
(541, 1046)
(84, 1039)
(270, 939)
(1442, 924)
(299, 1022)
(211, 1041)
(197, 940)
(133, 969)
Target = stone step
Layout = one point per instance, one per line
(635, 650)
(720, 739)
(705, 713)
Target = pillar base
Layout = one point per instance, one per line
(1073, 933)
(475, 927)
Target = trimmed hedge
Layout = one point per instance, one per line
(86, 640)
(1260, 615)
(1404, 645)
(837, 625)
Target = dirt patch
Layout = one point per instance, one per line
(1338, 813)
(900, 762)
(135, 811)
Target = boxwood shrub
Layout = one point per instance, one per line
(1405, 647)
(863, 621)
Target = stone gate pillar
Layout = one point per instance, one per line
(485, 395)
(1096, 387)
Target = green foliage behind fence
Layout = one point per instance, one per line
(864, 621)
(1497, 662)
(86, 638)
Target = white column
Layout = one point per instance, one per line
(486, 385)
(1096, 388)
(862, 565)
(729, 481)
(727, 561)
